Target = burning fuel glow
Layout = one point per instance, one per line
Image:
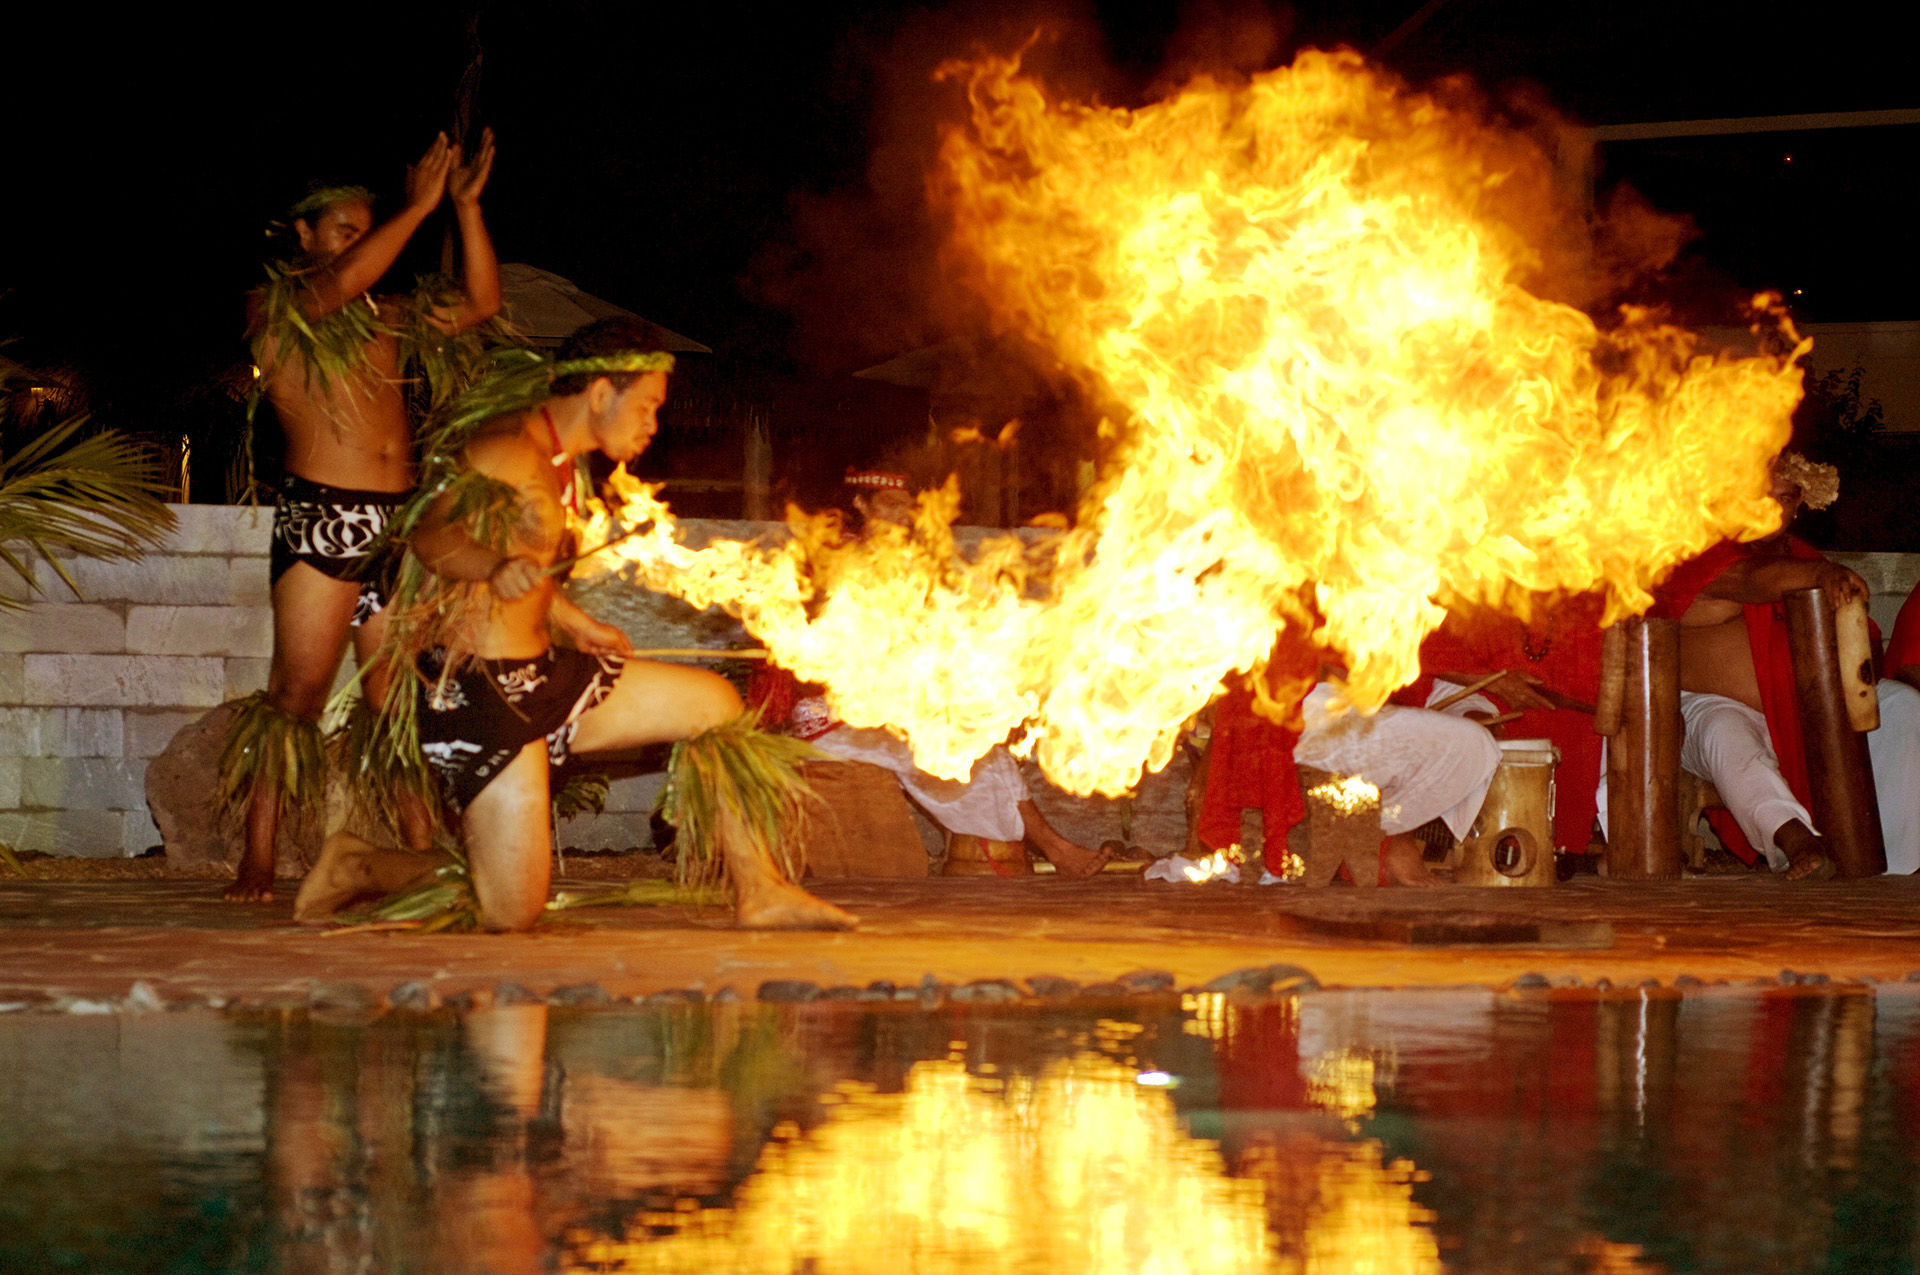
(1334, 408)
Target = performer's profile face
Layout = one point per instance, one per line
(634, 416)
(335, 229)
(1787, 494)
(886, 504)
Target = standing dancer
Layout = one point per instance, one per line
(330, 356)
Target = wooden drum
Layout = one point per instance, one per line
(1511, 842)
(971, 856)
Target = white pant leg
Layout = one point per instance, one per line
(1895, 750)
(987, 805)
(1727, 744)
(1426, 765)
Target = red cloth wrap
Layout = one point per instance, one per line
(1250, 764)
(787, 705)
(1561, 648)
(1772, 668)
(1903, 648)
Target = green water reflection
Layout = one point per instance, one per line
(1342, 1131)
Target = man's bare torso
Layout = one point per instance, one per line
(1715, 657)
(353, 434)
(515, 451)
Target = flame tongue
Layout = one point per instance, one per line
(1339, 410)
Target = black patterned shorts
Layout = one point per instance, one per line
(339, 533)
(478, 720)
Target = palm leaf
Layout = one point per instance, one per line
(79, 495)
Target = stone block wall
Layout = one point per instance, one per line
(92, 687)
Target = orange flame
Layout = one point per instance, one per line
(1338, 411)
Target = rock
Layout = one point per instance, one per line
(331, 994)
(676, 996)
(579, 994)
(412, 994)
(1291, 978)
(142, 999)
(986, 991)
(1146, 981)
(1253, 978)
(183, 796)
(791, 991)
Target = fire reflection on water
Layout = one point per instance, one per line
(1080, 1168)
(1336, 1131)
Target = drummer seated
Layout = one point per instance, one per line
(993, 804)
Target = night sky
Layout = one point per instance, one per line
(749, 174)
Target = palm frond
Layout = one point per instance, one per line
(271, 747)
(644, 892)
(752, 774)
(79, 495)
(583, 794)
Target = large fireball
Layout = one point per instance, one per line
(1337, 409)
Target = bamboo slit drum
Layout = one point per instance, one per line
(1511, 841)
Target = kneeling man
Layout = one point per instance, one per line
(521, 677)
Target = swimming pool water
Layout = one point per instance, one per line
(1474, 1131)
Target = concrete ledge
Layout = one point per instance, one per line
(125, 680)
(63, 732)
(247, 583)
(83, 783)
(180, 630)
(613, 831)
(138, 832)
(56, 626)
(149, 732)
(80, 834)
(636, 794)
(157, 578)
(219, 529)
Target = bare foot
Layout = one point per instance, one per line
(776, 905)
(1807, 858)
(1070, 860)
(1404, 861)
(255, 883)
